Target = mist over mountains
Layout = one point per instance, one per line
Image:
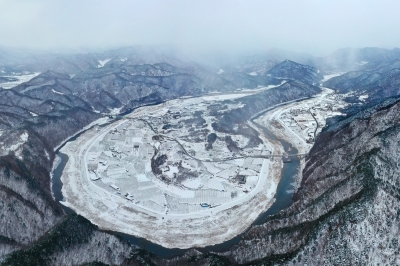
(344, 210)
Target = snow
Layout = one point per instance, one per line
(24, 136)
(363, 97)
(57, 92)
(108, 153)
(137, 139)
(220, 71)
(193, 183)
(238, 162)
(327, 77)
(99, 121)
(148, 167)
(103, 62)
(148, 213)
(114, 187)
(215, 184)
(142, 178)
(258, 161)
(253, 73)
(262, 88)
(15, 147)
(252, 180)
(248, 172)
(222, 97)
(212, 168)
(226, 174)
(115, 111)
(21, 79)
(361, 63)
(172, 170)
(157, 145)
(93, 176)
(32, 113)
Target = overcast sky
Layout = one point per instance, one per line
(316, 27)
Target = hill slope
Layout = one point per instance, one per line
(292, 70)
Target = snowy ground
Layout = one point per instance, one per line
(112, 179)
(129, 198)
(327, 77)
(15, 146)
(20, 79)
(297, 121)
(282, 122)
(102, 63)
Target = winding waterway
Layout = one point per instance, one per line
(283, 199)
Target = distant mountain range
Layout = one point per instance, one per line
(344, 212)
(292, 70)
(345, 59)
(371, 84)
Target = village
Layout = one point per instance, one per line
(173, 162)
(308, 118)
(167, 168)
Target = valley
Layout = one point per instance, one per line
(120, 191)
(135, 157)
(14, 79)
(166, 168)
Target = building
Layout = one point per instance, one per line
(115, 187)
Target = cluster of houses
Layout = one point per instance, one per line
(309, 118)
(303, 119)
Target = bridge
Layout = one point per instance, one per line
(288, 156)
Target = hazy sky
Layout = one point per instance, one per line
(317, 27)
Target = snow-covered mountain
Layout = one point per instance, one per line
(344, 211)
(292, 70)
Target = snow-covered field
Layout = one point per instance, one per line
(127, 196)
(297, 122)
(164, 168)
(102, 63)
(327, 77)
(20, 79)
